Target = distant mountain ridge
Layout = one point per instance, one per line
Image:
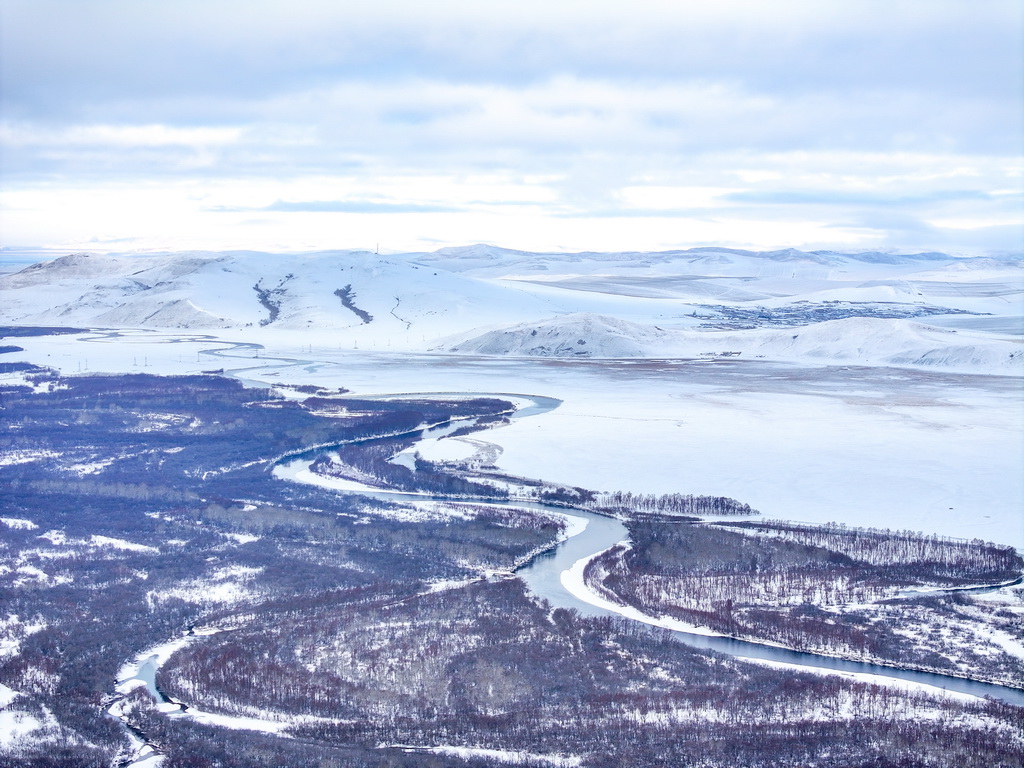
(489, 254)
(483, 299)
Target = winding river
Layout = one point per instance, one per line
(549, 575)
(546, 575)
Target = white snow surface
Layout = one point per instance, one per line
(12, 631)
(7, 695)
(577, 586)
(60, 539)
(224, 586)
(575, 335)
(512, 757)
(16, 726)
(860, 340)
(872, 422)
(867, 421)
(109, 542)
(866, 677)
(488, 300)
(934, 451)
(19, 523)
(128, 676)
(24, 456)
(222, 290)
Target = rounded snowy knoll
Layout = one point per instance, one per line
(578, 335)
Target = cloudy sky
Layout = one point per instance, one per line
(302, 124)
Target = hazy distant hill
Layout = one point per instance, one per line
(482, 299)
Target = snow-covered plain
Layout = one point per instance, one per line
(711, 372)
(787, 305)
(877, 421)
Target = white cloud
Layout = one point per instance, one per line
(795, 117)
(975, 223)
(662, 197)
(118, 136)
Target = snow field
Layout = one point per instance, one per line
(881, 447)
(486, 299)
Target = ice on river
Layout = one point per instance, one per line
(883, 447)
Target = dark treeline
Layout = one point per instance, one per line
(271, 298)
(140, 506)
(932, 557)
(372, 462)
(348, 300)
(486, 666)
(791, 585)
(627, 503)
(201, 424)
(169, 469)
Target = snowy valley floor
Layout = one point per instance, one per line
(881, 447)
(301, 576)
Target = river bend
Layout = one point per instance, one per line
(547, 573)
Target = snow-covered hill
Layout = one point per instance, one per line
(491, 301)
(581, 335)
(492, 261)
(317, 292)
(877, 341)
(860, 341)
